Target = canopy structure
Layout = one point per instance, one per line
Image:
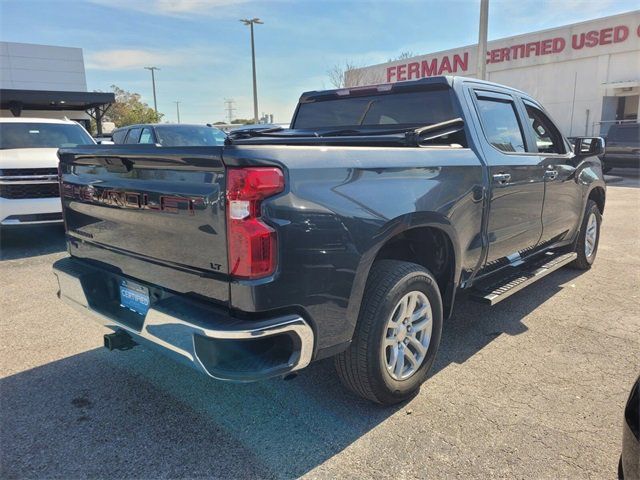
(93, 103)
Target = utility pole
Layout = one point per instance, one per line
(482, 39)
(178, 109)
(250, 23)
(228, 106)
(153, 83)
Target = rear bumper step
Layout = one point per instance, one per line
(494, 290)
(221, 346)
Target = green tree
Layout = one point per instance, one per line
(243, 121)
(129, 109)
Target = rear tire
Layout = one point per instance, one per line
(400, 321)
(588, 237)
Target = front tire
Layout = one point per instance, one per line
(397, 335)
(588, 237)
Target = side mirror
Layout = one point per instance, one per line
(588, 146)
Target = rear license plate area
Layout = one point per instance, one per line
(134, 297)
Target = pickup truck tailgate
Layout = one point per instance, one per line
(152, 213)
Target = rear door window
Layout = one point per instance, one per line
(500, 123)
(133, 136)
(146, 136)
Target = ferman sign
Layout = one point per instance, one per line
(593, 38)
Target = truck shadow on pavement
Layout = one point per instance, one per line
(31, 241)
(137, 414)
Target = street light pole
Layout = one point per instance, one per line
(250, 23)
(153, 83)
(482, 39)
(178, 109)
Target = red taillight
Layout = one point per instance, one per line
(251, 242)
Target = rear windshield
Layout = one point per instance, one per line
(625, 133)
(412, 108)
(42, 135)
(189, 136)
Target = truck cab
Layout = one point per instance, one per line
(347, 235)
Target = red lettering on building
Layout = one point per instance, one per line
(533, 47)
(620, 33)
(460, 64)
(448, 64)
(445, 66)
(391, 72)
(546, 46)
(413, 70)
(606, 36)
(428, 69)
(558, 44)
(400, 72)
(517, 51)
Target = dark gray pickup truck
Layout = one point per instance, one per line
(347, 235)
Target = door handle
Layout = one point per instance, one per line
(502, 178)
(550, 174)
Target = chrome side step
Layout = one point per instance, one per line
(494, 290)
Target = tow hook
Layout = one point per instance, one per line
(118, 340)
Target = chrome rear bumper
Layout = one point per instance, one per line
(221, 346)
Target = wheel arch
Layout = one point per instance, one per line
(402, 239)
(598, 195)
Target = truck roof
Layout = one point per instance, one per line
(444, 80)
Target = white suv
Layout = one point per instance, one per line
(29, 192)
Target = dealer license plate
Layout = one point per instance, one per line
(135, 297)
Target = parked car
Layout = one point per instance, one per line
(629, 465)
(29, 190)
(346, 236)
(170, 135)
(622, 146)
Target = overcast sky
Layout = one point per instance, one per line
(204, 52)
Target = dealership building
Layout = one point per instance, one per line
(586, 74)
(48, 81)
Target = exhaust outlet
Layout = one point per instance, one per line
(118, 340)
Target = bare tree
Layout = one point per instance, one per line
(338, 73)
(403, 56)
(352, 74)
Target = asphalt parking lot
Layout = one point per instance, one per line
(533, 387)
